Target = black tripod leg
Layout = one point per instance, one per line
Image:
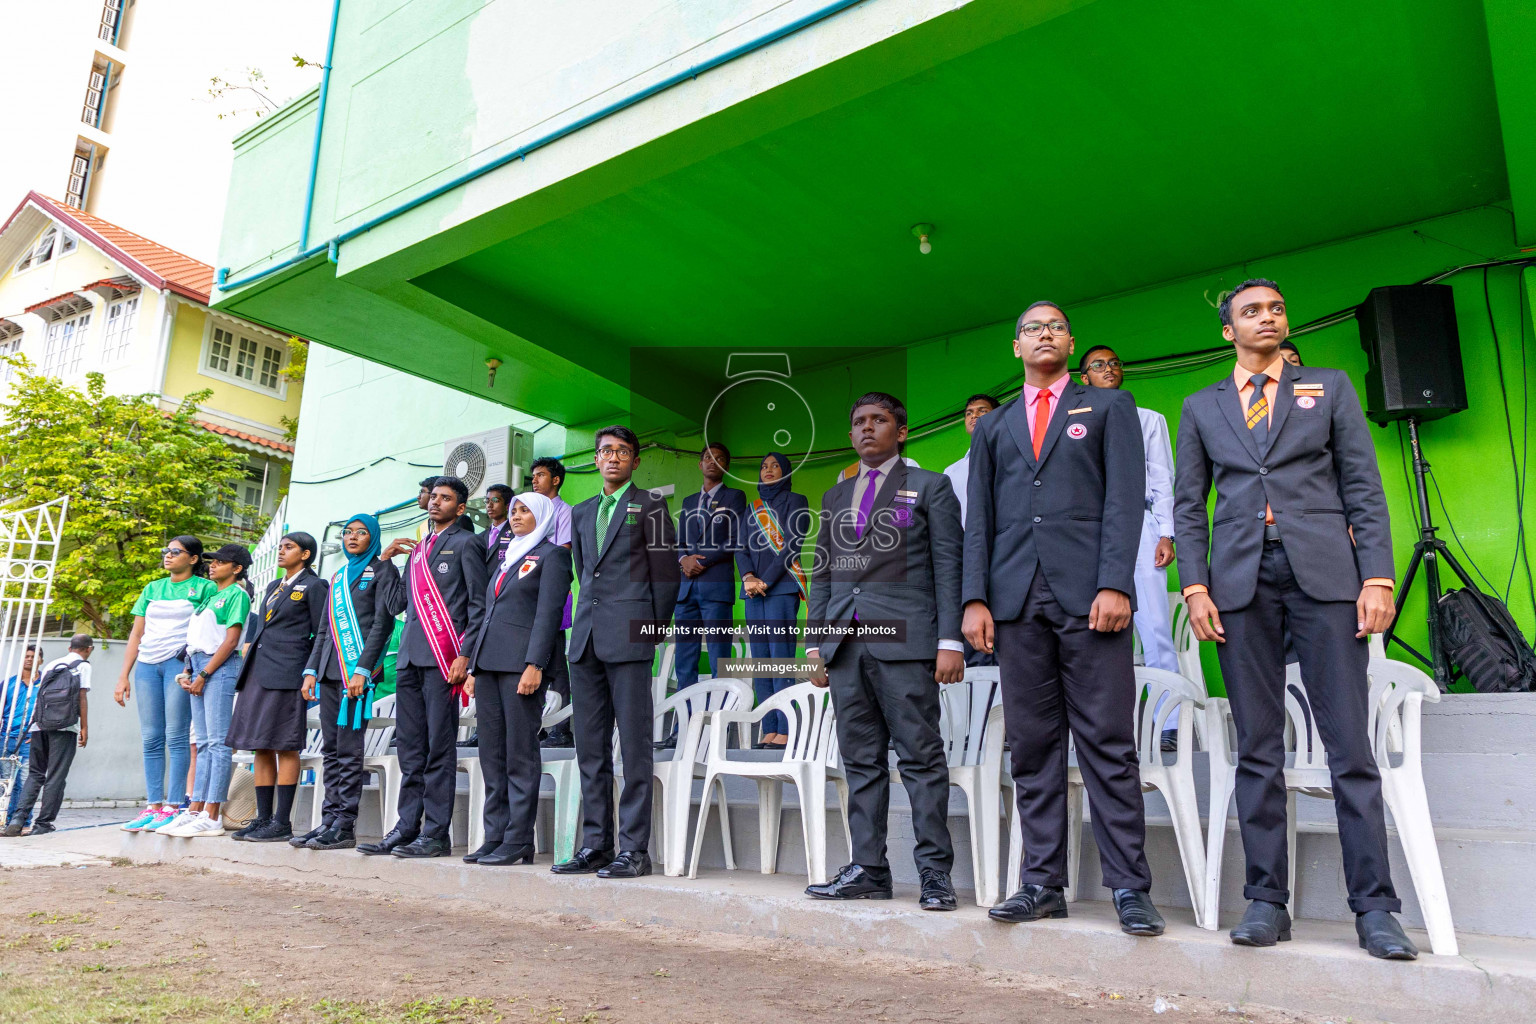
(1402, 596)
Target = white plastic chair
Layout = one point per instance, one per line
(1159, 693)
(313, 758)
(380, 759)
(810, 762)
(470, 764)
(1397, 693)
(691, 709)
(971, 724)
(567, 778)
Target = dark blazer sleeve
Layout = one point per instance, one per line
(554, 586)
(946, 544)
(661, 555)
(315, 599)
(1365, 503)
(1125, 496)
(1191, 491)
(315, 666)
(385, 582)
(980, 516)
(476, 576)
(821, 581)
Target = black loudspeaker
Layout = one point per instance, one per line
(1414, 353)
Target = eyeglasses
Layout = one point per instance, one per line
(354, 533)
(1100, 365)
(615, 454)
(1033, 328)
(173, 551)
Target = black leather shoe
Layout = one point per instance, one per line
(274, 831)
(244, 833)
(1381, 936)
(586, 862)
(938, 891)
(388, 843)
(304, 839)
(628, 864)
(1030, 903)
(424, 846)
(507, 853)
(853, 882)
(334, 838)
(485, 850)
(13, 829)
(1263, 924)
(42, 828)
(1169, 742)
(1137, 914)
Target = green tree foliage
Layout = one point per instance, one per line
(135, 476)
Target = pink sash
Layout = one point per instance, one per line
(432, 613)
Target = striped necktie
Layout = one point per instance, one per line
(1258, 409)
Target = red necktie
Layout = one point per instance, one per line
(1042, 418)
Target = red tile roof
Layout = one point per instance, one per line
(159, 265)
(280, 446)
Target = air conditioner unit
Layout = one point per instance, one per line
(499, 456)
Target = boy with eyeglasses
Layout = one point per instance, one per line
(1101, 368)
(625, 552)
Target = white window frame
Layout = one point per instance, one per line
(117, 338)
(9, 347)
(62, 244)
(262, 339)
(65, 361)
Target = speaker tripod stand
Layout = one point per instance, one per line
(1427, 553)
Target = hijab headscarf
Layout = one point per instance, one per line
(543, 525)
(776, 494)
(357, 563)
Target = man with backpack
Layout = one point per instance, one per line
(59, 727)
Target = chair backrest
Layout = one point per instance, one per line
(705, 695)
(1185, 646)
(314, 739)
(1158, 694)
(812, 726)
(1398, 691)
(665, 667)
(553, 702)
(377, 740)
(465, 711)
(964, 710)
(1301, 736)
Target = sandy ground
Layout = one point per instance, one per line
(125, 939)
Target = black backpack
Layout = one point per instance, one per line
(1482, 639)
(58, 697)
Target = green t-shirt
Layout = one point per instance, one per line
(219, 610)
(167, 607)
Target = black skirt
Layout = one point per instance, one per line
(266, 719)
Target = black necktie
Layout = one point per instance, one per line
(1258, 409)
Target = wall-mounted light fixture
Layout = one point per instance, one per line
(492, 365)
(922, 231)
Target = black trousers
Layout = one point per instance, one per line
(1059, 675)
(52, 754)
(557, 677)
(607, 695)
(880, 703)
(343, 746)
(509, 755)
(1333, 667)
(426, 740)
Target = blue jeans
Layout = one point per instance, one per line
(165, 719)
(19, 783)
(210, 724)
(775, 608)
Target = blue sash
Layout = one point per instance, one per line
(347, 637)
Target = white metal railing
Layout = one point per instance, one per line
(264, 554)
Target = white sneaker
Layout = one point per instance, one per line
(174, 826)
(202, 827)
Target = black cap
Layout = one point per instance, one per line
(236, 553)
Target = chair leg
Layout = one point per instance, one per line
(1179, 792)
(726, 842)
(1215, 842)
(476, 832)
(1074, 840)
(1405, 796)
(567, 810)
(770, 813)
(1290, 850)
(317, 801)
(1015, 848)
(813, 823)
(698, 833)
(392, 804)
(672, 833)
(842, 805)
(986, 841)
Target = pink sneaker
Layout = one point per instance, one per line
(144, 821)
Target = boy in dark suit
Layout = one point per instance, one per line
(708, 537)
(889, 548)
(444, 590)
(1057, 486)
(624, 551)
(1301, 539)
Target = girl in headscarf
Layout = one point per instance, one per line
(771, 578)
(348, 653)
(270, 711)
(511, 647)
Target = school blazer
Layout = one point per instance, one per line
(374, 599)
(905, 567)
(632, 579)
(713, 530)
(281, 646)
(521, 625)
(1073, 514)
(1318, 473)
(757, 558)
(458, 566)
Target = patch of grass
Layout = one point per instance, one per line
(105, 943)
(62, 944)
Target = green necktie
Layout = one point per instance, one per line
(604, 513)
